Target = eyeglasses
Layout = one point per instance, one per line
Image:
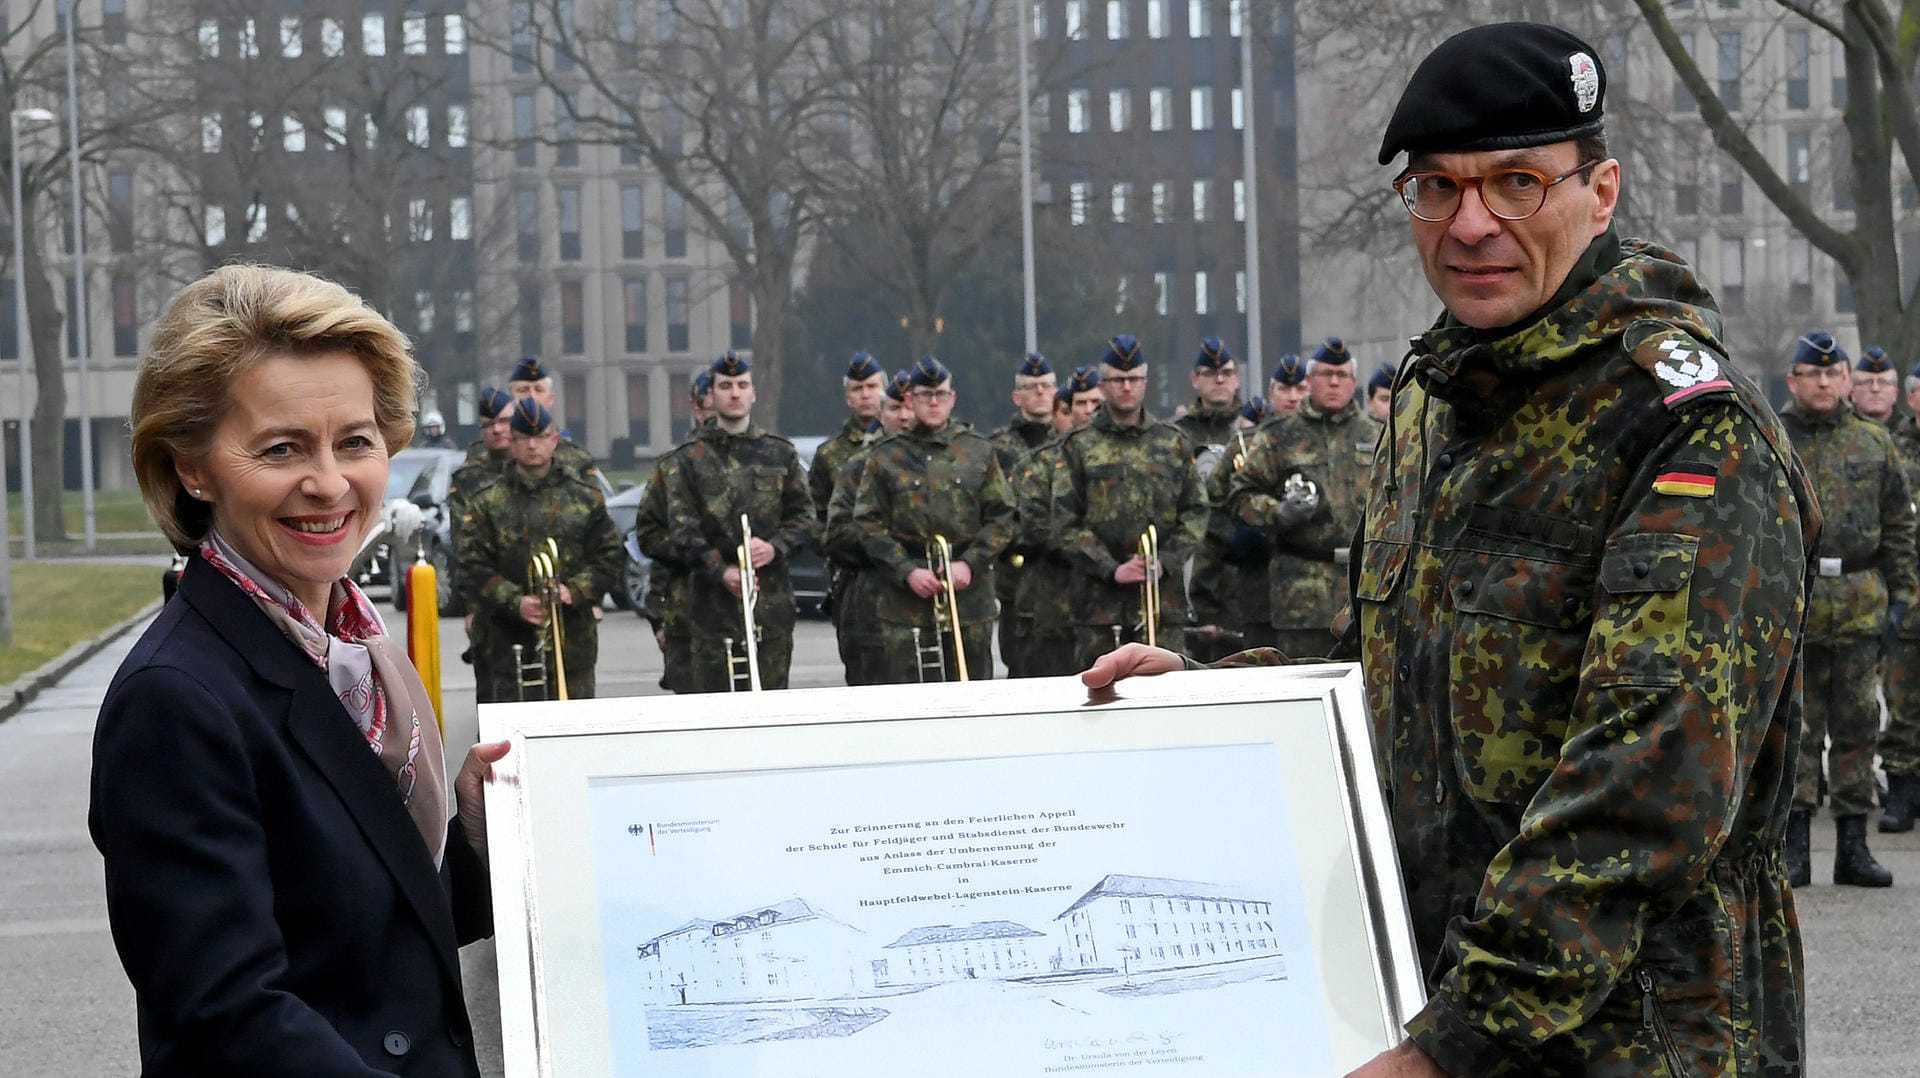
(1819, 374)
(932, 394)
(1218, 374)
(1511, 194)
(1124, 381)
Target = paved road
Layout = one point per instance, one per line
(65, 1009)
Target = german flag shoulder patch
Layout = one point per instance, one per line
(1686, 482)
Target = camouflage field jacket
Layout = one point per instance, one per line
(720, 476)
(1116, 480)
(1866, 554)
(923, 482)
(1579, 601)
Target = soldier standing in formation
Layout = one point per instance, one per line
(667, 590)
(1232, 596)
(1123, 472)
(858, 627)
(1035, 401)
(1214, 415)
(1304, 483)
(1380, 392)
(865, 386)
(1875, 385)
(1044, 636)
(531, 379)
(1288, 386)
(487, 460)
(733, 467)
(936, 479)
(1864, 581)
(509, 521)
(1900, 741)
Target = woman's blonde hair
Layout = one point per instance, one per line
(216, 328)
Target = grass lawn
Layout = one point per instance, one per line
(113, 511)
(58, 604)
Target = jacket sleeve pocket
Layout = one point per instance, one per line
(1639, 633)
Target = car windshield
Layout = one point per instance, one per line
(404, 476)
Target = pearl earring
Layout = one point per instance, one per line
(197, 492)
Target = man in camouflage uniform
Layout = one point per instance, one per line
(1864, 584)
(1900, 741)
(1579, 594)
(667, 591)
(1123, 472)
(1288, 386)
(937, 477)
(1231, 591)
(1304, 483)
(530, 379)
(1875, 384)
(1044, 635)
(1214, 415)
(862, 646)
(487, 460)
(865, 386)
(1035, 398)
(506, 523)
(1380, 393)
(734, 466)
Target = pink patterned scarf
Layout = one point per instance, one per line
(374, 681)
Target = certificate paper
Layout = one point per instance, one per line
(1077, 913)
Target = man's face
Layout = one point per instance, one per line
(1033, 395)
(1085, 403)
(534, 452)
(1124, 391)
(1873, 393)
(864, 396)
(1492, 273)
(1282, 398)
(1818, 389)
(703, 407)
(894, 414)
(1331, 387)
(1063, 415)
(932, 404)
(1379, 402)
(1219, 387)
(540, 390)
(733, 396)
(497, 433)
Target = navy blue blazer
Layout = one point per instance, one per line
(270, 898)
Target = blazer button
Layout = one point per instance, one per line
(397, 1043)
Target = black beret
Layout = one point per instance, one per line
(1382, 378)
(530, 417)
(1291, 370)
(493, 401)
(730, 364)
(528, 369)
(1874, 361)
(930, 372)
(1499, 87)
(1333, 352)
(897, 386)
(862, 367)
(1213, 355)
(1817, 348)
(1254, 410)
(1034, 366)
(702, 385)
(1123, 352)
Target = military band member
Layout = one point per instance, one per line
(1215, 412)
(1900, 741)
(865, 385)
(508, 522)
(667, 591)
(857, 609)
(1380, 392)
(1034, 399)
(1288, 386)
(1863, 585)
(531, 379)
(1231, 593)
(1875, 384)
(700, 391)
(735, 466)
(1046, 633)
(1123, 472)
(936, 478)
(487, 460)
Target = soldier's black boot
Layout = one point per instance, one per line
(1799, 847)
(1853, 863)
(1902, 791)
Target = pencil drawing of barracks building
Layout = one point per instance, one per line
(987, 950)
(785, 951)
(1134, 923)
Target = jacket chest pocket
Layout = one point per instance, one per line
(1513, 665)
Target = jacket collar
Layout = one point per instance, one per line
(1103, 420)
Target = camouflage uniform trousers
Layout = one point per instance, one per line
(707, 662)
(1044, 651)
(899, 659)
(1092, 641)
(1900, 741)
(854, 627)
(1840, 706)
(500, 682)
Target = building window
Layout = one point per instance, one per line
(1236, 17)
(573, 318)
(293, 134)
(569, 204)
(1157, 19)
(335, 119)
(126, 326)
(1682, 97)
(520, 36)
(373, 35)
(1120, 295)
(1162, 201)
(1733, 187)
(674, 223)
(1733, 270)
(1842, 294)
(1202, 190)
(1202, 106)
(256, 222)
(1039, 20)
(1119, 109)
(526, 224)
(1202, 292)
(564, 35)
(1117, 201)
(1199, 18)
(1237, 108)
(1799, 273)
(423, 313)
(1838, 69)
(460, 218)
(525, 154)
(1160, 108)
(530, 318)
(210, 133)
(463, 310)
(1727, 43)
(120, 210)
(678, 312)
(1162, 285)
(290, 41)
(419, 221)
(1076, 19)
(634, 298)
(113, 22)
(1076, 112)
(1116, 20)
(456, 126)
(413, 35)
(739, 315)
(73, 322)
(453, 35)
(419, 127)
(333, 38)
(640, 432)
(1799, 56)
(1079, 193)
(209, 39)
(566, 152)
(633, 221)
(1240, 200)
(246, 44)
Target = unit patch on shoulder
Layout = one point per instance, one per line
(1683, 366)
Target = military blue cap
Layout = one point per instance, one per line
(1874, 361)
(730, 364)
(702, 385)
(493, 401)
(529, 369)
(1064, 394)
(530, 417)
(1254, 410)
(1084, 378)
(1817, 348)
(1290, 370)
(1333, 352)
(862, 367)
(897, 386)
(1213, 355)
(1034, 366)
(1382, 378)
(929, 372)
(1123, 352)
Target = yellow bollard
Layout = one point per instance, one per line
(423, 628)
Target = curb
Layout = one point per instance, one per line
(15, 697)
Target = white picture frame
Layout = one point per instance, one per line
(751, 934)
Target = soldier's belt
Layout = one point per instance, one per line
(1837, 567)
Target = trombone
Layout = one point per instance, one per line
(543, 578)
(946, 617)
(749, 654)
(1149, 551)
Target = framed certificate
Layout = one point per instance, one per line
(1191, 877)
